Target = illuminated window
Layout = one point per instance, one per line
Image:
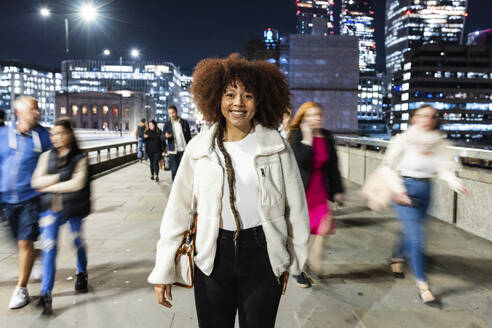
(94, 110)
(115, 111)
(84, 110)
(105, 110)
(75, 109)
(63, 110)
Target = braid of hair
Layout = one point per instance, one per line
(231, 175)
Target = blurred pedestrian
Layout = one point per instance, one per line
(177, 133)
(314, 149)
(2, 118)
(139, 134)
(411, 161)
(20, 147)
(154, 146)
(62, 175)
(284, 127)
(243, 180)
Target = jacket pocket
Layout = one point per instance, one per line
(271, 184)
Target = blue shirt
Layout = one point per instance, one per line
(19, 154)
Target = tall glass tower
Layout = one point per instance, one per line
(357, 19)
(412, 23)
(315, 17)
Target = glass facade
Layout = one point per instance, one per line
(315, 17)
(456, 80)
(357, 19)
(159, 80)
(17, 79)
(412, 23)
(266, 48)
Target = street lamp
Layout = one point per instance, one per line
(135, 53)
(45, 12)
(88, 12)
(107, 52)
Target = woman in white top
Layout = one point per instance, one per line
(243, 181)
(413, 158)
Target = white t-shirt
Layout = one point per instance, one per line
(247, 190)
(179, 138)
(417, 165)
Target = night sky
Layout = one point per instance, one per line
(179, 31)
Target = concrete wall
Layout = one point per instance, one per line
(472, 213)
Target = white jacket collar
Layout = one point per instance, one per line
(268, 142)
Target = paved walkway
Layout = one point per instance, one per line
(356, 289)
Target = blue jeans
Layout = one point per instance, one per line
(412, 239)
(141, 149)
(50, 224)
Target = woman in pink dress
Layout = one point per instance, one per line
(316, 157)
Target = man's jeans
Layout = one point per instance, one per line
(242, 281)
(141, 149)
(174, 161)
(412, 240)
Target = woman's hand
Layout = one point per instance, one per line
(168, 135)
(307, 133)
(285, 279)
(338, 198)
(146, 136)
(402, 199)
(161, 291)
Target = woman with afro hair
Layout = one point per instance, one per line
(242, 180)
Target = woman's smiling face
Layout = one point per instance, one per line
(238, 106)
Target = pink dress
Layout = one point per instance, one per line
(316, 193)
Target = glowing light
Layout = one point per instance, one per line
(107, 52)
(88, 12)
(45, 12)
(135, 53)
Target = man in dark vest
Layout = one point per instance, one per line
(177, 133)
(139, 134)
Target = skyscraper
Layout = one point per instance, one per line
(357, 19)
(315, 17)
(412, 23)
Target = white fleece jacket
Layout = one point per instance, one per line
(199, 183)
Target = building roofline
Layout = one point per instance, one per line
(22, 64)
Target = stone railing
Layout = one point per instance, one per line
(106, 157)
(358, 157)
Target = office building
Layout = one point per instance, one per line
(455, 79)
(116, 110)
(315, 17)
(480, 37)
(325, 70)
(159, 80)
(412, 23)
(266, 48)
(18, 78)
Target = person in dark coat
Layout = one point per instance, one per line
(314, 149)
(154, 147)
(177, 134)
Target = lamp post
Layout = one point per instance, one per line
(88, 13)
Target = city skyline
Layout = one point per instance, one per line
(125, 25)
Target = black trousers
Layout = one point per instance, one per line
(154, 163)
(242, 280)
(174, 161)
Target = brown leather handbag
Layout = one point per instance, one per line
(184, 262)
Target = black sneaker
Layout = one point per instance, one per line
(45, 302)
(157, 179)
(302, 281)
(152, 177)
(81, 283)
